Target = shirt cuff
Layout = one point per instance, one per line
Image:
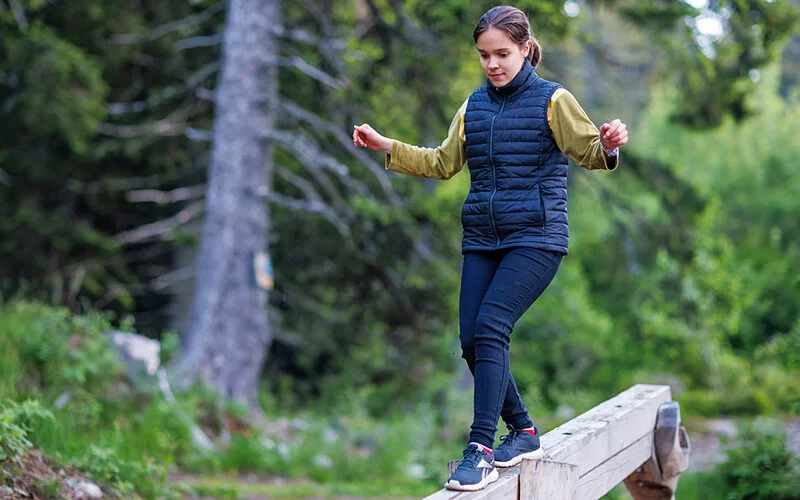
(612, 162)
(391, 158)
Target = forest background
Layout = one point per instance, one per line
(123, 126)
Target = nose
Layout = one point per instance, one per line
(493, 63)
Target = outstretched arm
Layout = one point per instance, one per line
(442, 162)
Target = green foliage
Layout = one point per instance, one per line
(63, 91)
(55, 351)
(717, 285)
(705, 485)
(762, 468)
(15, 424)
(715, 70)
(170, 346)
(337, 447)
(61, 166)
(103, 428)
(147, 479)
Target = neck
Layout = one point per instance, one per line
(524, 74)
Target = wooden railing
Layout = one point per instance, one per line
(634, 437)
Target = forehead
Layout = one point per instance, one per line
(493, 40)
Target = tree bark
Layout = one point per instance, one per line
(229, 333)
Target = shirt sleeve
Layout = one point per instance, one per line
(442, 162)
(575, 133)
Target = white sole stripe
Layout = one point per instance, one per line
(514, 461)
(455, 485)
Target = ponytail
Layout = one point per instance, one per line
(535, 54)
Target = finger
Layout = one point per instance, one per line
(616, 131)
(609, 138)
(621, 140)
(616, 128)
(360, 142)
(614, 125)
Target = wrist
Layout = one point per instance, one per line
(609, 151)
(386, 147)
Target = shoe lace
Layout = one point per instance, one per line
(510, 437)
(472, 456)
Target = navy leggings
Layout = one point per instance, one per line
(496, 289)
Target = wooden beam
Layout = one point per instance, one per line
(617, 430)
(613, 471)
(546, 480)
(593, 437)
(505, 488)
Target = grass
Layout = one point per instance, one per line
(700, 486)
(231, 486)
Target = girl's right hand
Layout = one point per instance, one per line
(365, 136)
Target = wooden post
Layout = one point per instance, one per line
(547, 480)
(657, 479)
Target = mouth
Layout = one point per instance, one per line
(497, 76)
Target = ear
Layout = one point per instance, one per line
(526, 49)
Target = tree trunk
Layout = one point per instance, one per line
(226, 343)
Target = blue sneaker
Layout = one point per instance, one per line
(475, 471)
(515, 446)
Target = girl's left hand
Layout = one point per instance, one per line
(614, 134)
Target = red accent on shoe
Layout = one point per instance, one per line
(531, 431)
(483, 448)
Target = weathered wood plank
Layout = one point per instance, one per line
(546, 480)
(506, 488)
(602, 479)
(592, 437)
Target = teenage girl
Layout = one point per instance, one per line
(515, 133)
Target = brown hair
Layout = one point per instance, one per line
(514, 23)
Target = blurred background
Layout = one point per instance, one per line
(184, 317)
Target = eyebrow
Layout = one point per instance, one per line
(502, 49)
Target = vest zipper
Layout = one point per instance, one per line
(494, 174)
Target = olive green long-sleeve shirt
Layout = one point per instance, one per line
(574, 133)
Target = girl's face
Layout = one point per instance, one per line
(501, 57)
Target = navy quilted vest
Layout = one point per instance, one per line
(518, 193)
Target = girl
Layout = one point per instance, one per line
(515, 134)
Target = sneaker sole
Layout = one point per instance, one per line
(455, 485)
(514, 461)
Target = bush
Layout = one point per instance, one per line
(55, 352)
(15, 422)
(762, 468)
(101, 426)
(148, 479)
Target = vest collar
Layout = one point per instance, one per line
(525, 76)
